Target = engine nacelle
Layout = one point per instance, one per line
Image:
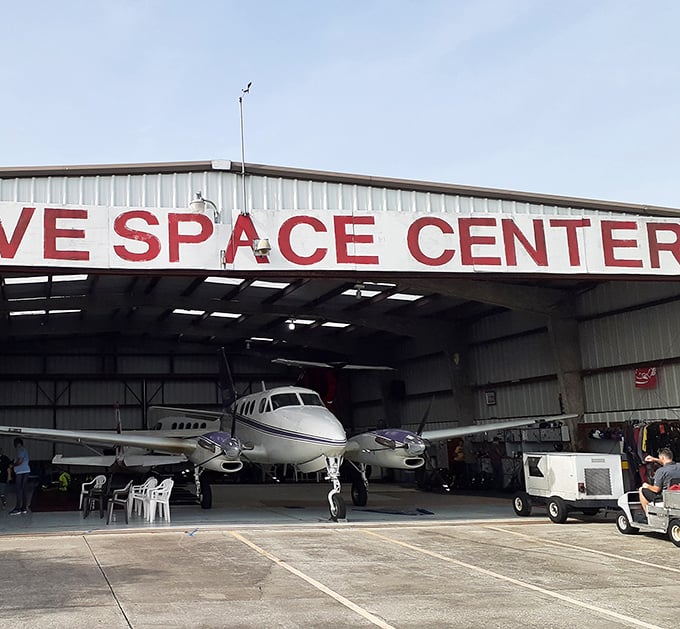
(217, 451)
(395, 448)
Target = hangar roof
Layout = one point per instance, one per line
(335, 316)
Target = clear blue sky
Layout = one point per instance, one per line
(576, 98)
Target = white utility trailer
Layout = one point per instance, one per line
(566, 482)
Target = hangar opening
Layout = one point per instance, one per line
(118, 290)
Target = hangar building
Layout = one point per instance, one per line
(120, 283)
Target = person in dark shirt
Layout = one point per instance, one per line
(668, 473)
(5, 464)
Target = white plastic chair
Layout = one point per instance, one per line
(86, 489)
(160, 497)
(138, 498)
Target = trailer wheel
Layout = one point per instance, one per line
(557, 510)
(624, 526)
(521, 503)
(674, 531)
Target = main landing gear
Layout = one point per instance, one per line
(203, 490)
(359, 485)
(336, 503)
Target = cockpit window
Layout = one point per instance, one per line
(284, 399)
(311, 399)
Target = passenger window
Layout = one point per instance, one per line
(263, 403)
(174, 425)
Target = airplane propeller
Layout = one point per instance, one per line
(423, 421)
(228, 390)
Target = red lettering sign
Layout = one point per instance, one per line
(539, 253)
(413, 240)
(153, 245)
(342, 239)
(467, 241)
(570, 225)
(609, 243)
(52, 233)
(286, 247)
(175, 238)
(8, 248)
(243, 235)
(653, 230)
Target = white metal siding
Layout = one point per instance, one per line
(512, 359)
(225, 190)
(640, 335)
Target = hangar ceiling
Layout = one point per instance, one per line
(334, 318)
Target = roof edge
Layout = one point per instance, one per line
(264, 170)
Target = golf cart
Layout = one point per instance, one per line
(663, 516)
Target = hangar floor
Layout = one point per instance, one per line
(259, 563)
(287, 503)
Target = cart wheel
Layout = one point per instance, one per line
(521, 503)
(674, 531)
(623, 524)
(557, 510)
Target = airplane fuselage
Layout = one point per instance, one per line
(287, 425)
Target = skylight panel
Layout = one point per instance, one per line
(303, 321)
(405, 297)
(194, 313)
(69, 278)
(36, 279)
(334, 324)
(225, 315)
(365, 292)
(26, 313)
(261, 338)
(63, 311)
(265, 284)
(234, 281)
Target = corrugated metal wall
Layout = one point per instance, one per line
(225, 190)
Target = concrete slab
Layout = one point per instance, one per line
(470, 564)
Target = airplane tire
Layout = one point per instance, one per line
(206, 496)
(557, 510)
(674, 531)
(359, 494)
(339, 509)
(624, 526)
(521, 503)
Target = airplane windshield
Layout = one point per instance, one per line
(284, 399)
(311, 399)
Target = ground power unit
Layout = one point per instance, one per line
(569, 482)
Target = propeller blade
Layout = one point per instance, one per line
(228, 389)
(423, 421)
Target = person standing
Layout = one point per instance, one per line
(21, 471)
(5, 464)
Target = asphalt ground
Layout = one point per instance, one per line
(468, 562)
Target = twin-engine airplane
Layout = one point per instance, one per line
(285, 425)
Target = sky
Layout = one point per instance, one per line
(575, 98)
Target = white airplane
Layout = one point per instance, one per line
(285, 425)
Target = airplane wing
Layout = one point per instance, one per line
(171, 445)
(462, 431)
(333, 365)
